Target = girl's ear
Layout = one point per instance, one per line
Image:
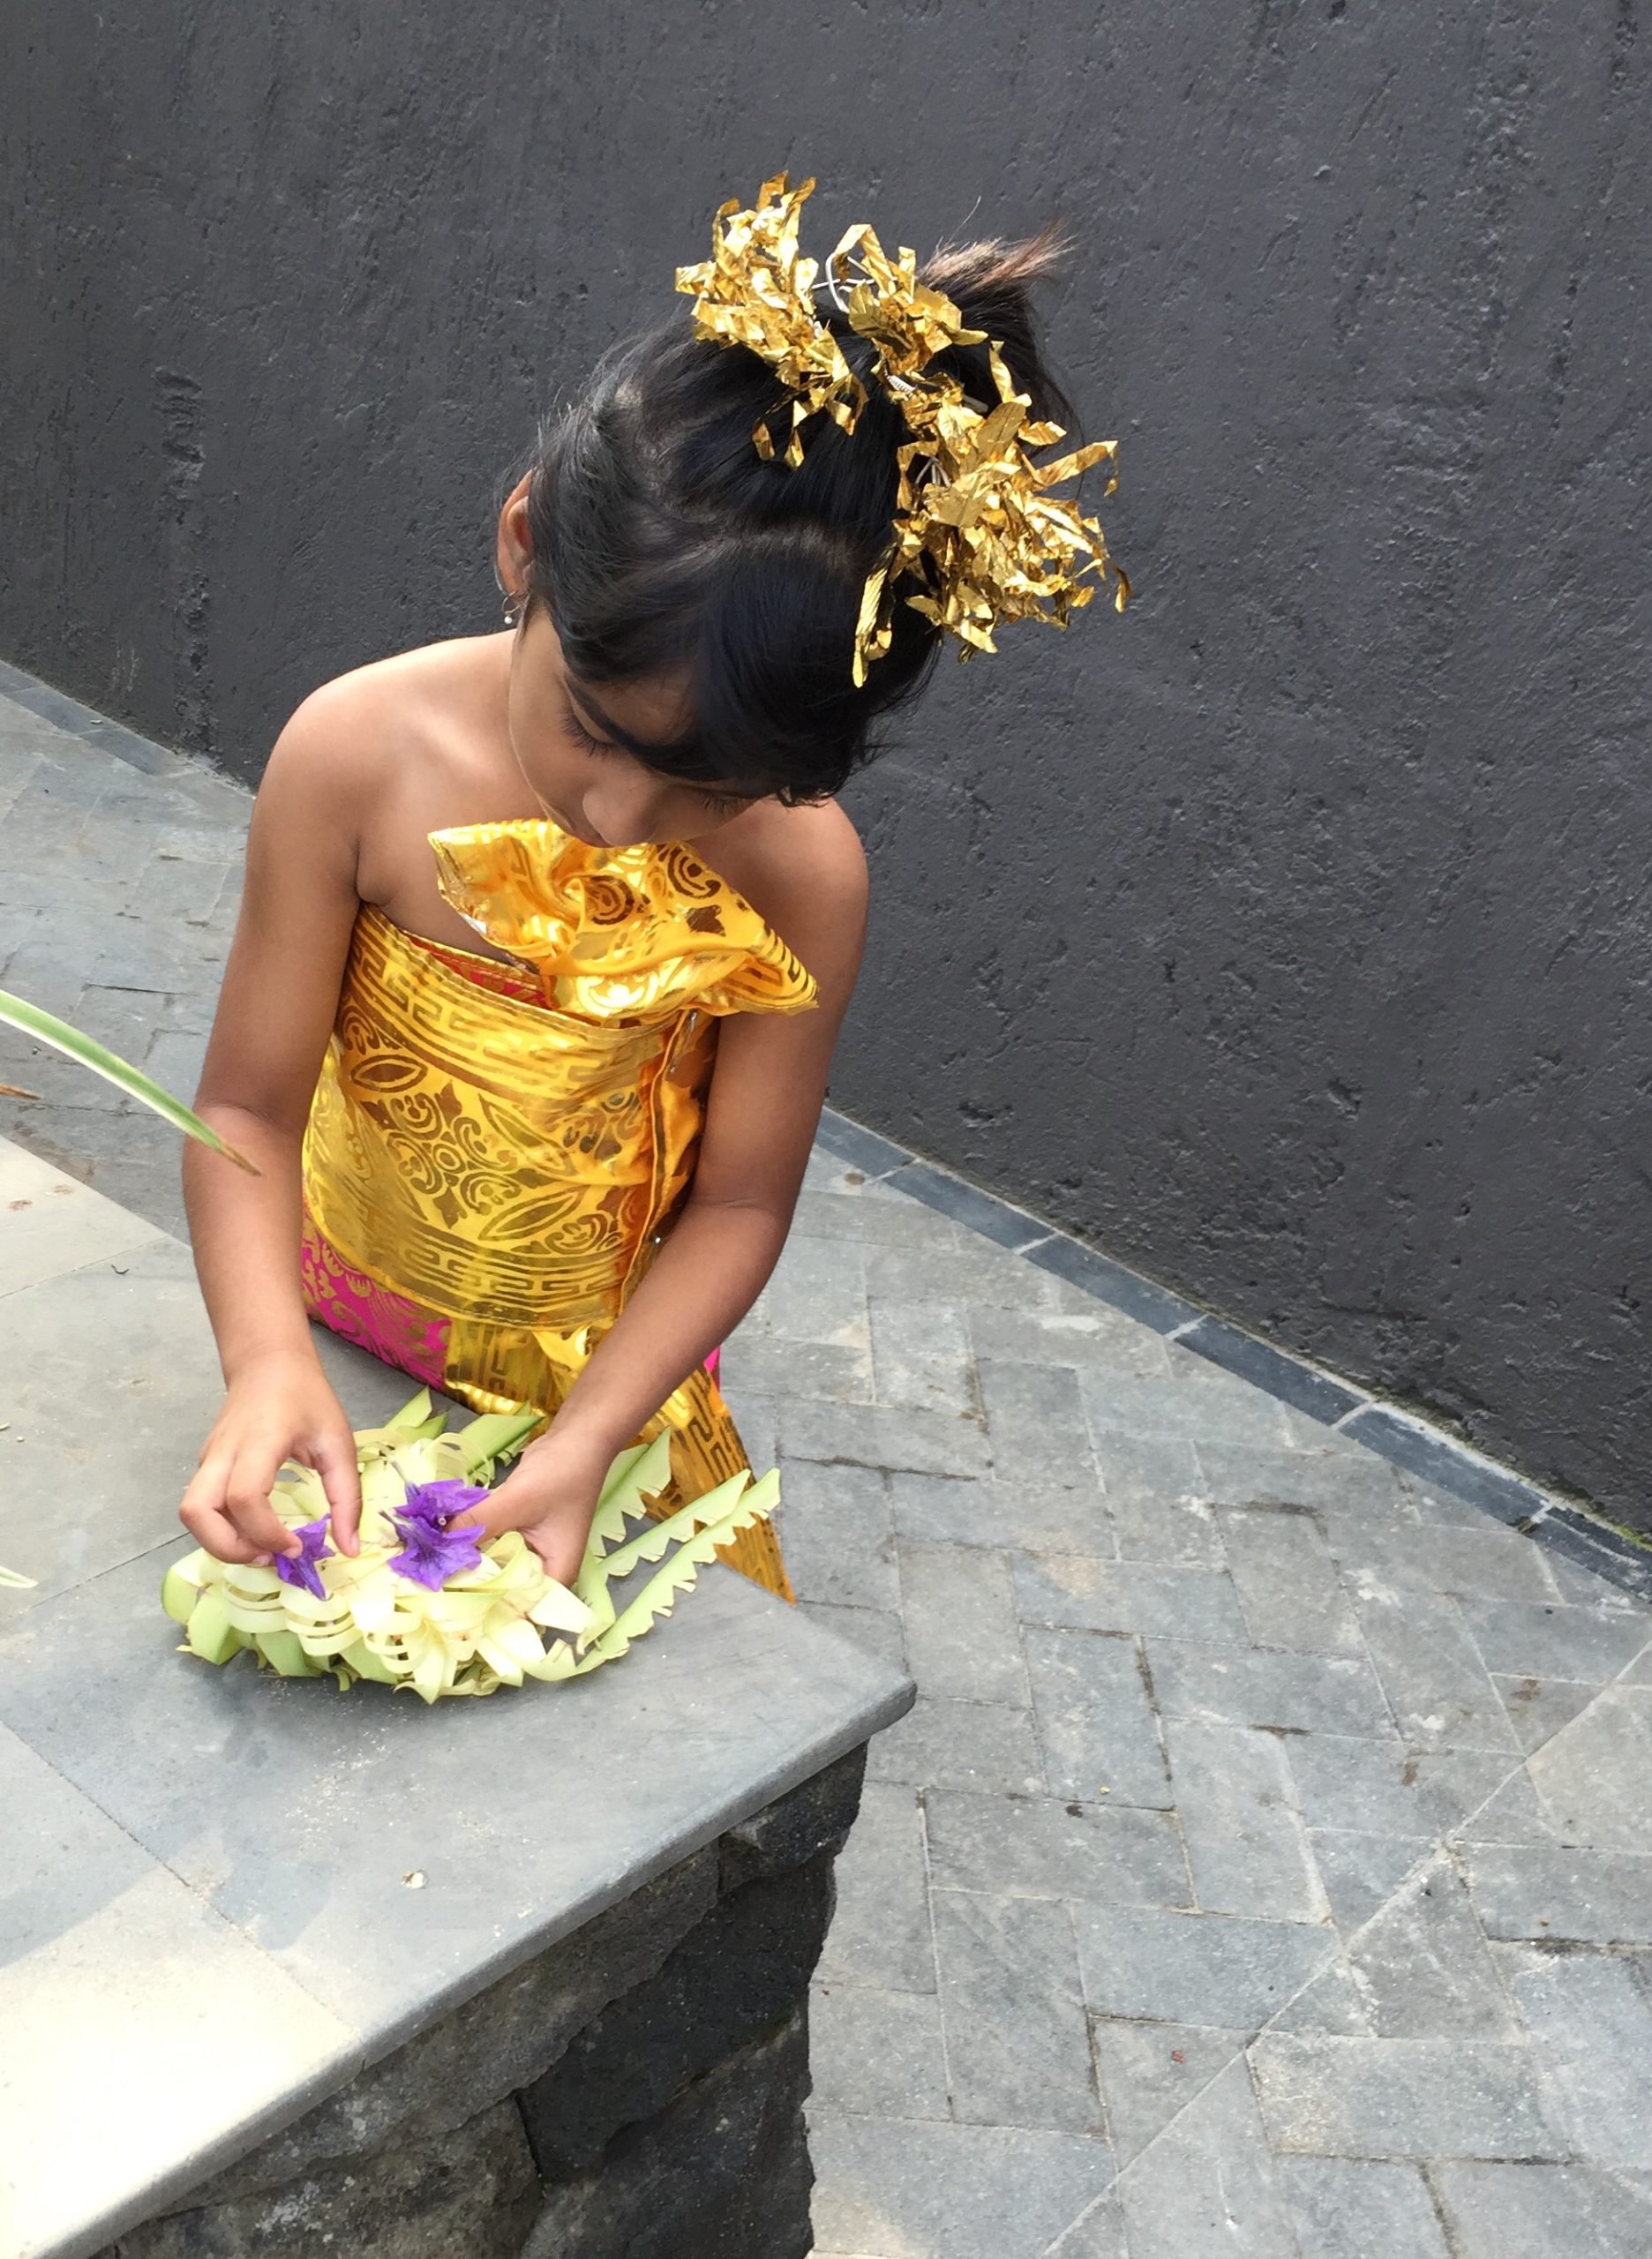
(514, 551)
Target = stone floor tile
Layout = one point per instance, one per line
(829, 1172)
(1207, 2188)
(922, 1356)
(1538, 1707)
(1287, 1581)
(1593, 1773)
(829, 1209)
(1036, 1848)
(837, 1538)
(1150, 2071)
(1553, 1640)
(962, 1640)
(56, 1081)
(1377, 1788)
(879, 1631)
(1484, 1560)
(1541, 2211)
(755, 1418)
(1584, 1588)
(1246, 1686)
(817, 1292)
(1423, 1967)
(1332, 2002)
(971, 1272)
(1590, 2019)
(172, 891)
(1513, 1813)
(880, 1935)
(1002, 1514)
(985, 1747)
(1035, 1425)
(1432, 1672)
(1334, 1482)
(767, 1364)
(1156, 1496)
(875, 2053)
(1362, 1872)
(1097, 2233)
(148, 1189)
(1561, 1892)
(1082, 1332)
(1017, 2040)
(1402, 2097)
(906, 2190)
(1086, 1595)
(50, 1225)
(1095, 1719)
(1199, 1402)
(1354, 2207)
(1245, 1841)
(879, 1435)
(1194, 1968)
(163, 962)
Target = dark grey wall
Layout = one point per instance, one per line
(1290, 937)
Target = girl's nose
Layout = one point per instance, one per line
(625, 810)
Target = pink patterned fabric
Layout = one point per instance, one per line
(359, 1309)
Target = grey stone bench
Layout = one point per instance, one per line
(290, 1971)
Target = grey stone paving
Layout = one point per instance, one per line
(1266, 1868)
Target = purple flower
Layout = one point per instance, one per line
(300, 1568)
(432, 1550)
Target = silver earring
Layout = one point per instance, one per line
(511, 609)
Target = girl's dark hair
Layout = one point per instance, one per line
(662, 541)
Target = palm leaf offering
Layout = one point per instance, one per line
(433, 1606)
(45, 1027)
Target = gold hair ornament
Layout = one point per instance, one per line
(976, 524)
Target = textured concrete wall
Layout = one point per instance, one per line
(1287, 938)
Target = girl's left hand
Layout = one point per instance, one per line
(551, 1498)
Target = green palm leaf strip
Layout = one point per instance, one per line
(697, 1540)
(45, 1027)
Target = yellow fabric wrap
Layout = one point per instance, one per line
(508, 1167)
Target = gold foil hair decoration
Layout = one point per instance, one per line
(754, 290)
(976, 522)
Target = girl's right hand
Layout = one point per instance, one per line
(277, 1408)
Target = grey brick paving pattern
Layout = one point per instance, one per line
(1266, 1869)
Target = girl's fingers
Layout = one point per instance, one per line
(334, 1461)
(560, 1554)
(202, 1514)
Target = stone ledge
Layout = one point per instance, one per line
(241, 1958)
(669, 2119)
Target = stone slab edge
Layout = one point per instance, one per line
(1404, 1439)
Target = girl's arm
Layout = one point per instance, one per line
(280, 995)
(764, 1103)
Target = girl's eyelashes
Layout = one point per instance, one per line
(719, 803)
(577, 729)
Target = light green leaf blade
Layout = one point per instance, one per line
(495, 1434)
(45, 1027)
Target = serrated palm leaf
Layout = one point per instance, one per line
(45, 1027)
(682, 1570)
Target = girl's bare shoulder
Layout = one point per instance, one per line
(349, 739)
(803, 870)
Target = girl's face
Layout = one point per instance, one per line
(588, 784)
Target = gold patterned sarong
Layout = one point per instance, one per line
(496, 1151)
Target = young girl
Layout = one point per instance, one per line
(548, 933)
